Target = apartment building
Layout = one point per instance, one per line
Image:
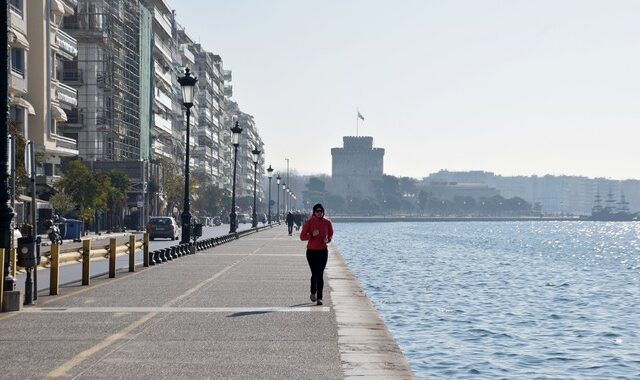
(39, 98)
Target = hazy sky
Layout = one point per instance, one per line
(513, 87)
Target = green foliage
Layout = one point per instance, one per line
(62, 202)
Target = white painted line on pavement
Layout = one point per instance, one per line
(176, 309)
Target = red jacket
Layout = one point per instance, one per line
(323, 225)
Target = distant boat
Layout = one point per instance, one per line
(610, 213)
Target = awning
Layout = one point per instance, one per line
(18, 101)
(57, 8)
(58, 113)
(18, 39)
(26, 198)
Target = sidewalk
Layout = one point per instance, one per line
(239, 310)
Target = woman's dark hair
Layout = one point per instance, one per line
(317, 206)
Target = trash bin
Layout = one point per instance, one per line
(73, 229)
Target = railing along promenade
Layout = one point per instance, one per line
(58, 256)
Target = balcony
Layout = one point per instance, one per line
(228, 91)
(68, 45)
(187, 54)
(65, 142)
(65, 94)
(103, 79)
(71, 76)
(74, 118)
(164, 24)
(163, 49)
(163, 99)
(166, 76)
(162, 124)
(162, 149)
(227, 75)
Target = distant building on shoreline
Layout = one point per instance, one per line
(561, 195)
(355, 165)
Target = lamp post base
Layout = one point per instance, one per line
(233, 224)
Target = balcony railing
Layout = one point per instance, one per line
(162, 123)
(187, 53)
(166, 76)
(162, 21)
(72, 76)
(65, 142)
(67, 44)
(66, 94)
(162, 48)
(163, 99)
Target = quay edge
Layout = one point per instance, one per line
(367, 348)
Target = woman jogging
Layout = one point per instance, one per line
(318, 232)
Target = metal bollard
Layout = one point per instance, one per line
(156, 257)
(167, 254)
(112, 258)
(54, 272)
(145, 250)
(86, 262)
(132, 253)
(174, 253)
(185, 249)
(14, 265)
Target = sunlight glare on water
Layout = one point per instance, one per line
(506, 299)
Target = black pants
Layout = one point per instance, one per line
(290, 228)
(317, 260)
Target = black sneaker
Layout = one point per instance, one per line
(313, 297)
(319, 302)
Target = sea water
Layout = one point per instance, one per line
(491, 300)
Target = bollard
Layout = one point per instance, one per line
(86, 261)
(112, 258)
(54, 272)
(161, 255)
(167, 254)
(192, 249)
(172, 252)
(132, 253)
(183, 249)
(145, 250)
(156, 257)
(14, 266)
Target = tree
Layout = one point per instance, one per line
(62, 203)
(85, 188)
(117, 184)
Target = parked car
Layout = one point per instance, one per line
(163, 227)
(244, 218)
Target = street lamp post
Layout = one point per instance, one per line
(235, 140)
(278, 202)
(6, 212)
(187, 84)
(256, 156)
(270, 173)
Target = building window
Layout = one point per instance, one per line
(16, 6)
(17, 61)
(16, 118)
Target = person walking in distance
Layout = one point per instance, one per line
(290, 222)
(318, 232)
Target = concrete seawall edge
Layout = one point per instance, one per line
(367, 348)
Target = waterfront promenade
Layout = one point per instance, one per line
(238, 310)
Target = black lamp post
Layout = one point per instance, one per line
(187, 83)
(235, 140)
(256, 156)
(6, 212)
(270, 173)
(278, 202)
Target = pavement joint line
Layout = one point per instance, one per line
(63, 369)
(116, 309)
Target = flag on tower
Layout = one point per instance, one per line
(360, 116)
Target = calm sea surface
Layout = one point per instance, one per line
(530, 300)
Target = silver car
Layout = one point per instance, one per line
(163, 227)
